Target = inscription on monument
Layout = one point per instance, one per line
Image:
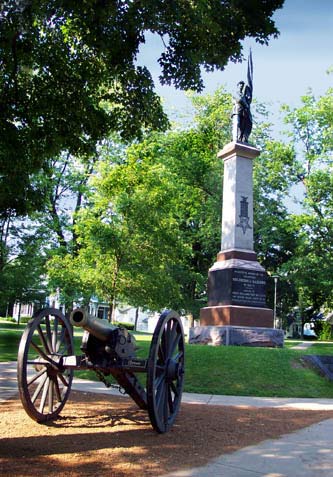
(248, 288)
(237, 286)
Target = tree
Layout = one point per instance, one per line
(66, 190)
(149, 230)
(48, 232)
(127, 237)
(69, 77)
(311, 137)
(22, 276)
(155, 219)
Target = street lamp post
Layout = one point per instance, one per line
(276, 277)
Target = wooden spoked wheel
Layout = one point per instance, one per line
(165, 373)
(44, 385)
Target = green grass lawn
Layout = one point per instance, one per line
(291, 343)
(254, 372)
(229, 370)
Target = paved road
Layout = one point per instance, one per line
(304, 453)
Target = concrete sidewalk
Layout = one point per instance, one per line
(8, 388)
(303, 345)
(304, 453)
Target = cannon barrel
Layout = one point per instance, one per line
(101, 329)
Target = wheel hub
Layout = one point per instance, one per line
(172, 370)
(52, 368)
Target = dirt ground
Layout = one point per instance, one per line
(99, 434)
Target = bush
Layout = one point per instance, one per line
(8, 318)
(318, 327)
(326, 332)
(128, 326)
(25, 319)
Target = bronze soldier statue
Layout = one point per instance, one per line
(242, 117)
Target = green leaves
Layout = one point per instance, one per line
(152, 227)
(311, 138)
(69, 75)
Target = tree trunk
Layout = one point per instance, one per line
(136, 319)
(112, 310)
(113, 315)
(190, 320)
(19, 314)
(10, 309)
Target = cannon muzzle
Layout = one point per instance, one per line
(101, 329)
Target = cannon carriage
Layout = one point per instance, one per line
(47, 361)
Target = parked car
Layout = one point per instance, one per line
(308, 332)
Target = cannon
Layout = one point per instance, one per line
(47, 361)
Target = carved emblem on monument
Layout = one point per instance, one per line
(244, 218)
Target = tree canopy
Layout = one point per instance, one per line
(152, 225)
(69, 73)
(311, 138)
(147, 221)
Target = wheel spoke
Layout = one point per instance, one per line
(159, 368)
(172, 338)
(170, 401)
(61, 340)
(44, 395)
(162, 401)
(38, 389)
(174, 344)
(51, 395)
(38, 362)
(160, 395)
(179, 356)
(48, 332)
(166, 406)
(63, 380)
(167, 333)
(55, 334)
(43, 339)
(159, 381)
(174, 389)
(57, 390)
(161, 354)
(36, 376)
(41, 353)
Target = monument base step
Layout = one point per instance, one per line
(237, 336)
(233, 315)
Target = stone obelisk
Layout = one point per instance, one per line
(236, 281)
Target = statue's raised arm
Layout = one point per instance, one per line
(242, 117)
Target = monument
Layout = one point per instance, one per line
(236, 312)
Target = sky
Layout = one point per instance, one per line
(283, 71)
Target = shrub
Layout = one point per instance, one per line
(8, 318)
(128, 326)
(326, 332)
(25, 319)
